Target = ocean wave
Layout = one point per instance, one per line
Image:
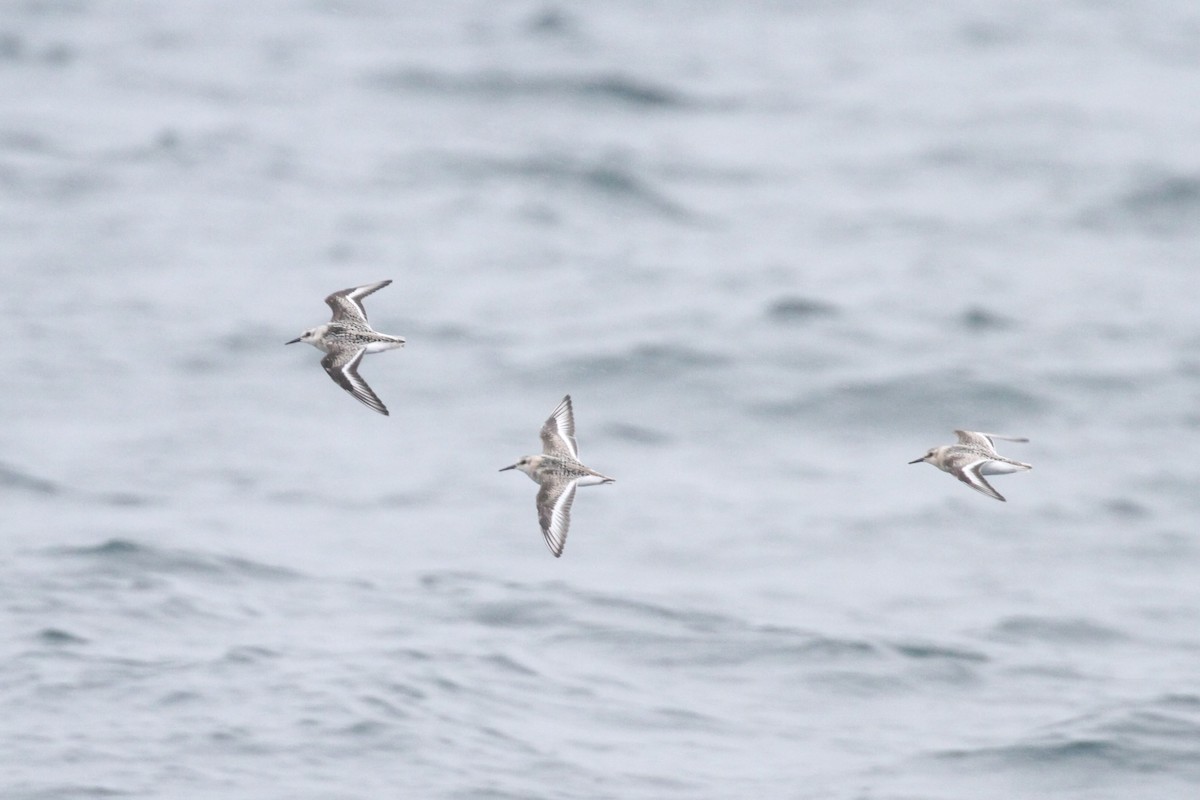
(664, 361)
(608, 178)
(795, 309)
(661, 635)
(1047, 750)
(1062, 630)
(1158, 203)
(978, 318)
(128, 555)
(63, 790)
(925, 650)
(923, 400)
(13, 478)
(57, 637)
(1156, 735)
(502, 85)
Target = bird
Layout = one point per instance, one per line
(973, 457)
(559, 472)
(346, 338)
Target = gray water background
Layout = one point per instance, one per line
(774, 250)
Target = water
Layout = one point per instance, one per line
(773, 250)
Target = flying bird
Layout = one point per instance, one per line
(346, 338)
(973, 457)
(559, 472)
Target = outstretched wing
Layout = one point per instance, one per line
(985, 440)
(342, 366)
(347, 304)
(554, 513)
(558, 432)
(971, 476)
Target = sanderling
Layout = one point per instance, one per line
(559, 472)
(973, 457)
(347, 338)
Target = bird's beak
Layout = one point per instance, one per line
(506, 469)
(293, 341)
(918, 461)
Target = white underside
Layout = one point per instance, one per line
(1001, 468)
(590, 480)
(379, 347)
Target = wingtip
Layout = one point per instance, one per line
(378, 407)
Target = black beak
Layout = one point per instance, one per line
(918, 461)
(506, 469)
(293, 341)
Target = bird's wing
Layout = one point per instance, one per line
(554, 512)
(558, 432)
(342, 366)
(975, 439)
(971, 476)
(347, 304)
(985, 440)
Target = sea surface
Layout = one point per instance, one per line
(774, 251)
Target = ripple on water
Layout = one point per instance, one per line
(1054, 630)
(13, 478)
(1164, 203)
(1159, 734)
(658, 635)
(916, 400)
(64, 790)
(499, 85)
(794, 309)
(57, 637)
(613, 180)
(662, 361)
(125, 555)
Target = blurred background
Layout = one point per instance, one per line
(774, 250)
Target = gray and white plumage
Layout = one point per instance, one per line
(346, 338)
(973, 457)
(559, 473)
